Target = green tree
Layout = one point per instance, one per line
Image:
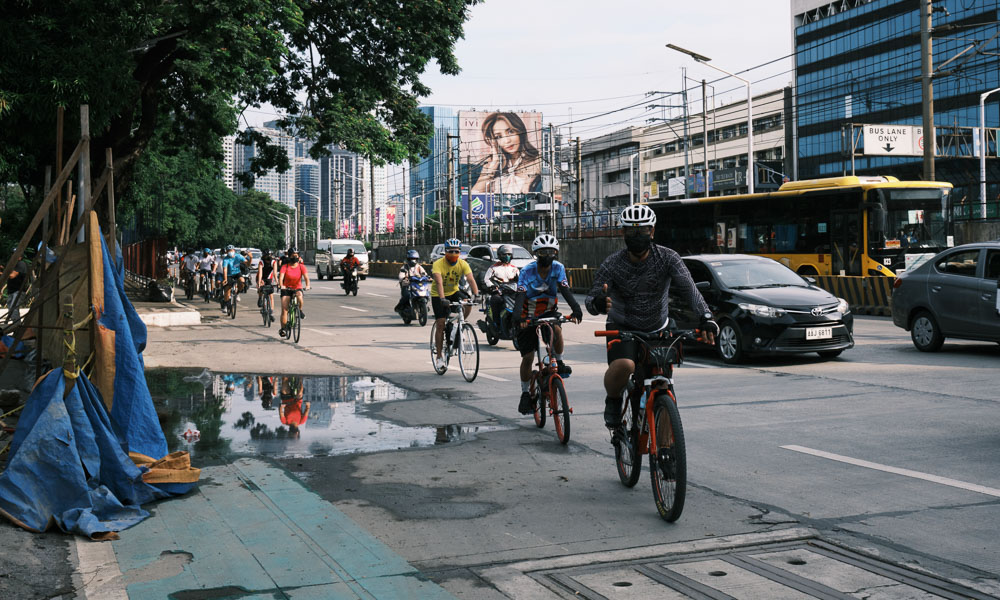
(344, 71)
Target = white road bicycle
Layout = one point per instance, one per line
(459, 340)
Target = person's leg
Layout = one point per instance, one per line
(285, 302)
(616, 377)
(557, 349)
(299, 295)
(439, 335)
(527, 344)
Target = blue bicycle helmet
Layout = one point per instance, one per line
(453, 244)
(412, 255)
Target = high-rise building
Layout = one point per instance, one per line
(430, 174)
(279, 186)
(859, 62)
(229, 161)
(343, 185)
(307, 185)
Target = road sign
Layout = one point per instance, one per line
(892, 140)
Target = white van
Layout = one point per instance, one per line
(331, 252)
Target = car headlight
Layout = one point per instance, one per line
(762, 310)
(843, 306)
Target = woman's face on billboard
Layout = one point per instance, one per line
(506, 137)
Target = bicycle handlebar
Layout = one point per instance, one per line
(557, 319)
(663, 334)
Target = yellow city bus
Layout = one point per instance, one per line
(860, 226)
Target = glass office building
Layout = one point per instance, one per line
(858, 61)
(431, 171)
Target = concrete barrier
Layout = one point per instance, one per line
(866, 295)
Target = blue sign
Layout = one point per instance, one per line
(481, 210)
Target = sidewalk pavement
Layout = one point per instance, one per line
(250, 530)
(167, 314)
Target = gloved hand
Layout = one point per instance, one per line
(446, 304)
(709, 328)
(602, 302)
(577, 315)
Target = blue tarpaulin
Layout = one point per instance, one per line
(73, 460)
(68, 466)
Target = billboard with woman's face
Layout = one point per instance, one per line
(500, 151)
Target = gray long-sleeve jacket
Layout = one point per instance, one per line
(638, 291)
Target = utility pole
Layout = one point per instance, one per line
(423, 206)
(552, 179)
(371, 196)
(452, 230)
(684, 87)
(579, 188)
(704, 133)
(926, 68)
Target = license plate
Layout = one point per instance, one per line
(819, 333)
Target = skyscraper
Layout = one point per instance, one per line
(432, 171)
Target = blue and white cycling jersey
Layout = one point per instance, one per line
(232, 265)
(540, 294)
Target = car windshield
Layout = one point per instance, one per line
(520, 252)
(747, 274)
(342, 249)
(255, 253)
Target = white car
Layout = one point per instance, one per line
(331, 252)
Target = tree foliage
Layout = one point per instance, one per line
(344, 71)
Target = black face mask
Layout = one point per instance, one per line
(545, 261)
(638, 243)
(412, 262)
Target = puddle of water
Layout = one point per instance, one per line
(217, 414)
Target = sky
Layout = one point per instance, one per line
(575, 60)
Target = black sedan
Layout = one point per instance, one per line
(763, 307)
(954, 294)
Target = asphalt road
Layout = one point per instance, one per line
(884, 449)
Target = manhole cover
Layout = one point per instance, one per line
(778, 571)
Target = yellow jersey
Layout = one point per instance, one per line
(451, 274)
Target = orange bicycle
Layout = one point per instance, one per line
(649, 398)
(546, 386)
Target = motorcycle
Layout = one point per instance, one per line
(499, 327)
(420, 293)
(350, 283)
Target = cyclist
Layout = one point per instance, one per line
(231, 273)
(411, 268)
(293, 412)
(348, 264)
(631, 287)
(206, 267)
(536, 296)
(245, 269)
(291, 279)
(190, 269)
(265, 279)
(503, 272)
(446, 272)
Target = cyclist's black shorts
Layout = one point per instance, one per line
(527, 340)
(289, 293)
(619, 349)
(440, 312)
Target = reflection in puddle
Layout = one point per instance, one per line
(285, 416)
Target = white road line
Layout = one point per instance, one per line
(352, 308)
(492, 377)
(688, 363)
(972, 487)
(374, 294)
(319, 331)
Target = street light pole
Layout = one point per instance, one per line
(705, 61)
(317, 213)
(982, 150)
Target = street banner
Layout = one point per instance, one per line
(499, 151)
(390, 219)
(482, 208)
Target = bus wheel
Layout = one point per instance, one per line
(807, 271)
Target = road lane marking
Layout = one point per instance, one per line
(352, 308)
(492, 377)
(319, 331)
(972, 487)
(379, 295)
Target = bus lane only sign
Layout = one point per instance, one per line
(891, 140)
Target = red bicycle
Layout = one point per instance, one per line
(546, 387)
(649, 398)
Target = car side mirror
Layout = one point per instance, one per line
(810, 280)
(704, 286)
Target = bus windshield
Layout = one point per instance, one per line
(910, 219)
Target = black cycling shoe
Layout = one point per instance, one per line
(612, 412)
(563, 369)
(302, 315)
(260, 301)
(527, 404)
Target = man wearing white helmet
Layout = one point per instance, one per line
(536, 297)
(631, 287)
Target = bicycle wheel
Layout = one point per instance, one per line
(189, 289)
(444, 352)
(541, 400)
(668, 466)
(468, 353)
(560, 408)
(265, 310)
(625, 439)
(232, 303)
(297, 323)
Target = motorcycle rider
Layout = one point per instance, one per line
(411, 268)
(499, 273)
(348, 264)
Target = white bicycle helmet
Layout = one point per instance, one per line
(637, 215)
(545, 240)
